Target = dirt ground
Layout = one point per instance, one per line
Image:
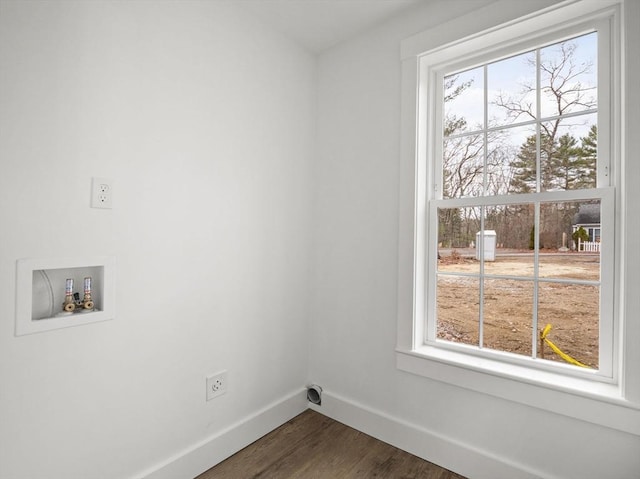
(571, 309)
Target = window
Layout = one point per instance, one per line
(512, 234)
(516, 165)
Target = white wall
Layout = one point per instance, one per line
(205, 120)
(355, 271)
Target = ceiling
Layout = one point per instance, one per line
(320, 24)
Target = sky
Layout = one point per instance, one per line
(507, 77)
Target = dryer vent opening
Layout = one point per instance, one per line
(314, 394)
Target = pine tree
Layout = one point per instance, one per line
(524, 179)
(588, 153)
(564, 164)
(567, 164)
(525, 165)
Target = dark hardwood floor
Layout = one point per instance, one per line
(314, 446)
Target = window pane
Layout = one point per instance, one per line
(508, 313)
(555, 225)
(458, 309)
(511, 84)
(457, 228)
(464, 102)
(513, 225)
(507, 241)
(572, 310)
(568, 75)
(511, 160)
(463, 166)
(570, 240)
(568, 153)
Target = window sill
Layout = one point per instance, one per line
(588, 400)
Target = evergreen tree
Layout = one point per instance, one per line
(525, 165)
(524, 178)
(588, 153)
(564, 165)
(567, 164)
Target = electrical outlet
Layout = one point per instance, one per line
(101, 193)
(216, 385)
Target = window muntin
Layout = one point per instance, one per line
(522, 128)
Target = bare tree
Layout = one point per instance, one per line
(560, 84)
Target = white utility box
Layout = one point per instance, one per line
(489, 245)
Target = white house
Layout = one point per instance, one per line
(588, 218)
(257, 194)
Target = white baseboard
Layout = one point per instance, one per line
(456, 456)
(197, 459)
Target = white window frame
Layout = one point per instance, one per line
(432, 73)
(608, 397)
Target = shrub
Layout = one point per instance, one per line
(580, 235)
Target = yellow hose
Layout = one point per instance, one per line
(545, 331)
(556, 349)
